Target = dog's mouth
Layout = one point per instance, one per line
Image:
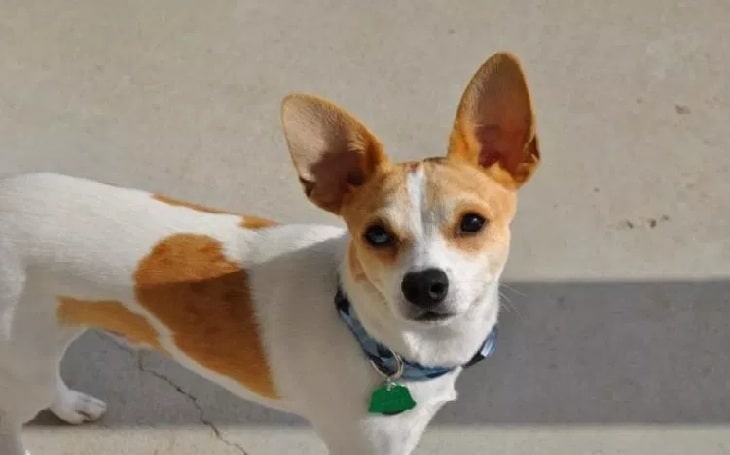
(434, 316)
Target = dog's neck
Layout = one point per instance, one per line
(449, 345)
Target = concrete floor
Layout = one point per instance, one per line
(615, 338)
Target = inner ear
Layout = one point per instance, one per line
(495, 125)
(334, 176)
(332, 151)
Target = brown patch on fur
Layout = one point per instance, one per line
(375, 202)
(382, 199)
(495, 124)
(203, 298)
(457, 188)
(332, 151)
(255, 222)
(453, 187)
(189, 205)
(108, 315)
(358, 274)
(247, 221)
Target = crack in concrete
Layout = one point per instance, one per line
(194, 400)
(189, 396)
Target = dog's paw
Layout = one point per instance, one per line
(76, 407)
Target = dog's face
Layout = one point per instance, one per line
(429, 236)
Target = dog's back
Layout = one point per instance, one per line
(72, 250)
(95, 230)
(176, 277)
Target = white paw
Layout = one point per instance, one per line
(76, 407)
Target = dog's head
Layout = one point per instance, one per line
(428, 236)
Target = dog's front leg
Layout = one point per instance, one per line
(375, 434)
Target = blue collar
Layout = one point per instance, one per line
(383, 358)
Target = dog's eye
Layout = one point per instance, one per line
(471, 223)
(378, 236)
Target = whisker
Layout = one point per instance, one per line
(508, 305)
(513, 289)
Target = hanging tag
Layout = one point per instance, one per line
(390, 399)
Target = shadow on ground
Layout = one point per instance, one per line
(568, 353)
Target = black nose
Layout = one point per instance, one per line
(425, 289)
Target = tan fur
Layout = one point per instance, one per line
(376, 202)
(190, 205)
(247, 221)
(255, 222)
(108, 315)
(493, 150)
(187, 283)
(384, 197)
(203, 299)
(332, 151)
(495, 124)
(358, 274)
(452, 180)
(428, 291)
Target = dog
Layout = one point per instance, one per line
(362, 330)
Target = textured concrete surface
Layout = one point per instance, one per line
(618, 306)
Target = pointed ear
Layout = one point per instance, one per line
(495, 125)
(332, 151)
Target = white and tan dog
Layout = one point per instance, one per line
(249, 304)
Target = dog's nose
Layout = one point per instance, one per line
(425, 289)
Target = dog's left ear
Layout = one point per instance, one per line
(332, 151)
(495, 124)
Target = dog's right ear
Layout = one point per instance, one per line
(332, 151)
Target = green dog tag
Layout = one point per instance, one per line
(391, 399)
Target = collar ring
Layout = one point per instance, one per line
(399, 368)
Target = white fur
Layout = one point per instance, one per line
(65, 236)
(472, 296)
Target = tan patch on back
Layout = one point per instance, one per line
(190, 205)
(255, 222)
(204, 300)
(247, 221)
(109, 315)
